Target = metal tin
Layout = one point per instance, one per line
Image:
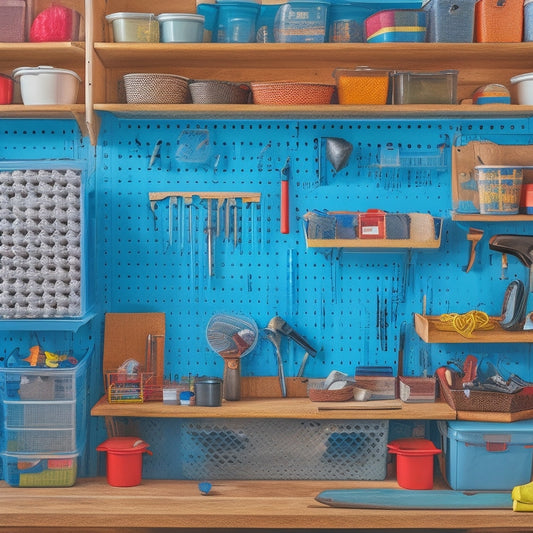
(208, 392)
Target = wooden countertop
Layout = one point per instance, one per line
(92, 503)
(302, 408)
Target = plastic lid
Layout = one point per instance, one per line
(181, 16)
(121, 15)
(42, 69)
(413, 447)
(522, 77)
(123, 444)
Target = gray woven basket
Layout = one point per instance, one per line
(150, 88)
(219, 92)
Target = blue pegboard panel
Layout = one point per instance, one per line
(350, 305)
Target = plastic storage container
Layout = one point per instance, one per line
(6, 89)
(499, 189)
(181, 27)
(13, 21)
(396, 25)
(40, 470)
(528, 20)
(362, 85)
(55, 24)
(45, 85)
(134, 27)
(499, 21)
(486, 455)
(450, 21)
(301, 22)
(524, 88)
(347, 23)
(237, 22)
(414, 462)
(124, 460)
(425, 87)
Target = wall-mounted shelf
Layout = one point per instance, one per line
(373, 244)
(45, 324)
(425, 326)
(474, 217)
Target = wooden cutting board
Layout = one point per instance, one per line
(125, 338)
(359, 406)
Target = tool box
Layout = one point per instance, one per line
(486, 455)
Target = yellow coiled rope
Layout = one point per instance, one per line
(465, 324)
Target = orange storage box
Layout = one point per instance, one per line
(362, 85)
(499, 21)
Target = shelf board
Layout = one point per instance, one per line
(293, 408)
(372, 244)
(279, 56)
(425, 327)
(45, 324)
(214, 111)
(69, 112)
(474, 217)
(60, 54)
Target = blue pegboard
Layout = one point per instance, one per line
(348, 304)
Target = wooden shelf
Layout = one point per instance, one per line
(373, 244)
(427, 331)
(62, 54)
(463, 217)
(295, 408)
(92, 504)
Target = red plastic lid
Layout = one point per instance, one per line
(413, 447)
(123, 445)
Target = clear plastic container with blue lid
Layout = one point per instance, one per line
(301, 22)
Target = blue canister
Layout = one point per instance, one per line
(347, 23)
(237, 22)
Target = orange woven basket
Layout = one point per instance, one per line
(329, 395)
(291, 93)
(499, 21)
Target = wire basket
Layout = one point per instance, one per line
(219, 92)
(291, 93)
(150, 88)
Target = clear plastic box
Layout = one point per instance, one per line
(425, 87)
(301, 22)
(134, 27)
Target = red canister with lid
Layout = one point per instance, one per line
(6, 89)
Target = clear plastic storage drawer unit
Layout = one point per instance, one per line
(425, 87)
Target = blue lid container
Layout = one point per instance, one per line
(237, 22)
(347, 23)
(301, 22)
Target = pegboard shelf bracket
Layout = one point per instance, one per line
(246, 197)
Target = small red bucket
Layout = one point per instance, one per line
(414, 462)
(124, 460)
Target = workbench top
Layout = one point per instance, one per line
(92, 503)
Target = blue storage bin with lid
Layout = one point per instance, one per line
(450, 21)
(486, 455)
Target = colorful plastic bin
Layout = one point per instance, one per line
(396, 25)
(414, 462)
(362, 85)
(237, 22)
(499, 21)
(499, 189)
(450, 21)
(486, 455)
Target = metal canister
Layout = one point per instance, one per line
(208, 391)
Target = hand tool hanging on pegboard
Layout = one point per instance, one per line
(284, 202)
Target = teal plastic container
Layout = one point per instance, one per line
(347, 23)
(486, 455)
(237, 22)
(301, 22)
(181, 27)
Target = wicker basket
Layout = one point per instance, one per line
(219, 92)
(150, 88)
(331, 395)
(291, 93)
(487, 401)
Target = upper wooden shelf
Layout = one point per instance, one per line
(295, 408)
(62, 54)
(425, 327)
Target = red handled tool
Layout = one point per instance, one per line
(284, 207)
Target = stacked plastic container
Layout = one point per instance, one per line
(44, 428)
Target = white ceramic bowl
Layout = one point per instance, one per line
(46, 85)
(524, 88)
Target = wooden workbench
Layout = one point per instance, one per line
(92, 505)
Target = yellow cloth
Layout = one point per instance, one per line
(521, 506)
(523, 493)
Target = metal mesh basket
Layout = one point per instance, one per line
(219, 92)
(291, 93)
(150, 88)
